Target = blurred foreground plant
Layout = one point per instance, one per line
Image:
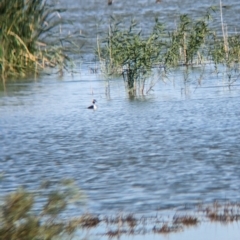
(19, 219)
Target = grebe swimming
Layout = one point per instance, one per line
(93, 106)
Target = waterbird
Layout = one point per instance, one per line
(93, 106)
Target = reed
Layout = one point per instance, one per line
(186, 45)
(28, 41)
(218, 52)
(224, 48)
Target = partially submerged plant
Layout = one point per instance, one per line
(136, 55)
(218, 49)
(131, 53)
(186, 43)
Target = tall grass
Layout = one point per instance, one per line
(26, 28)
(224, 49)
(186, 44)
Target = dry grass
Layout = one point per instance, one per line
(89, 221)
(186, 220)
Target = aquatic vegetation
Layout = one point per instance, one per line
(186, 44)
(222, 55)
(20, 219)
(130, 52)
(165, 228)
(88, 220)
(29, 38)
(185, 220)
(223, 213)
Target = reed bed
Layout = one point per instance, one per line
(29, 38)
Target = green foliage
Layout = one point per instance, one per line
(19, 220)
(187, 41)
(225, 53)
(25, 27)
(234, 49)
(130, 50)
(136, 55)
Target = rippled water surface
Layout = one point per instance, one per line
(176, 147)
(91, 18)
(167, 150)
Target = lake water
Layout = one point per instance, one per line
(168, 150)
(92, 18)
(172, 149)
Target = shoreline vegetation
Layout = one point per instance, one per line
(21, 219)
(31, 38)
(32, 41)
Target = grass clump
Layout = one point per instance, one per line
(28, 41)
(185, 220)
